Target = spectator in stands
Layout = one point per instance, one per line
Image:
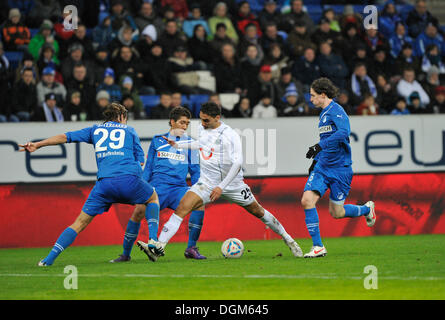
(199, 47)
(431, 81)
(48, 85)
(134, 110)
(414, 104)
(102, 101)
(119, 17)
(108, 85)
(294, 104)
(127, 62)
(269, 14)
(124, 38)
(27, 62)
(263, 85)
(179, 7)
(343, 100)
(368, 107)
(220, 16)
(43, 36)
(406, 59)
(349, 16)
(381, 64)
(361, 84)
(386, 94)
(419, 18)
(299, 39)
(195, 18)
(306, 69)
(24, 97)
(80, 36)
(332, 66)
(296, 14)
(171, 38)
(401, 107)
(438, 103)
(250, 65)
(149, 35)
(388, 19)
(398, 39)
(162, 110)
(75, 56)
(250, 37)
(360, 56)
(271, 36)
(6, 73)
(44, 10)
(147, 16)
(101, 62)
(47, 58)
(373, 39)
(228, 71)
(264, 109)
(242, 108)
(128, 89)
(277, 60)
(50, 111)
(24, 7)
(103, 33)
(214, 97)
(330, 15)
(62, 34)
(245, 17)
(408, 84)
(324, 33)
(429, 37)
(350, 41)
(208, 6)
(220, 38)
(75, 109)
(15, 34)
(158, 76)
(285, 80)
(177, 100)
(82, 84)
(432, 58)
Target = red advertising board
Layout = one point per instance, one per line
(33, 215)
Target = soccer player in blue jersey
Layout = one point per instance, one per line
(331, 166)
(166, 170)
(119, 158)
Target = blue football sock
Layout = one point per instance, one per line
(64, 241)
(152, 216)
(353, 211)
(312, 226)
(195, 225)
(131, 233)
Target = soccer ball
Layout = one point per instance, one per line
(232, 248)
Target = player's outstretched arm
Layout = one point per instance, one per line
(188, 144)
(33, 146)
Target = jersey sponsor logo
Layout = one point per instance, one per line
(325, 129)
(204, 156)
(171, 155)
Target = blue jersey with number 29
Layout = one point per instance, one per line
(118, 148)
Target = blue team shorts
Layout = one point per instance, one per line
(170, 195)
(126, 189)
(338, 181)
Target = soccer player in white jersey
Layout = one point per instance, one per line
(221, 176)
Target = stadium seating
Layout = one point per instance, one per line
(149, 101)
(228, 100)
(14, 58)
(195, 102)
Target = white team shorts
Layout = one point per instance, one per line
(239, 193)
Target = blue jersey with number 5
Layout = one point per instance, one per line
(118, 148)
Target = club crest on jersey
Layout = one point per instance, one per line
(171, 155)
(325, 129)
(324, 119)
(340, 195)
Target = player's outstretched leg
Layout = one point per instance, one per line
(66, 238)
(195, 226)
(308, 202)
(269, 220)
(354, 211)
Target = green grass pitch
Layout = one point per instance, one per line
(408, 267)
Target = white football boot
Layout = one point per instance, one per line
(152, 249)
(294, 248)
(371, 216)
(316, 252)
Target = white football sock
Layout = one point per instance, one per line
(275, 225)
(170, 228)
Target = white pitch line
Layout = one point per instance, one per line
(248, 276)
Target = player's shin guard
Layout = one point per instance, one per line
(64, 241)
(353, 211)
(170, 228)
(275, 225)
(152, 216)
(312, 226)
(131, 233)
(195, 225)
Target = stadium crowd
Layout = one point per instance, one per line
(266, 52)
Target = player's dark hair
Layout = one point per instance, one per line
(211, 109)
(179, 112)
(324, 85)
(113, 111)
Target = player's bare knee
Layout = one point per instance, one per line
(154, 198)
(307, 202)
